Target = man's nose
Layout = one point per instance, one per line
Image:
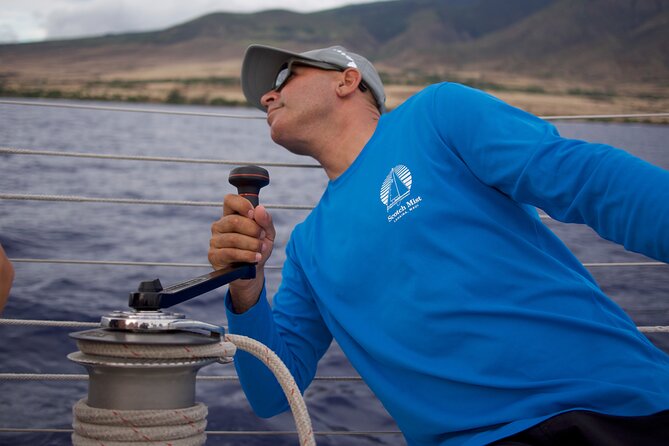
(269, 97)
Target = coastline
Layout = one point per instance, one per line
(538, 96)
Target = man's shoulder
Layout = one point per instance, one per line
(443, 93)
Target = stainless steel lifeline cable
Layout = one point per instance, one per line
(74, 324)
(129, 109)
(80, 199)
(171, 159)
(225, 115)
(269, 267)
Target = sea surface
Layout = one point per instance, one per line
(170, 233)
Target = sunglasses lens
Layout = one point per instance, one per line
(281, 78)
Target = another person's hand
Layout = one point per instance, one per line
(6, 278)
(243, 234)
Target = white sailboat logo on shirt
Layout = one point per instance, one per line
(396, 186)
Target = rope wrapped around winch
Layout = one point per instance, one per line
(175, 427)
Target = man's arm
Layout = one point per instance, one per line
(294, 329)
(623, 198)
(6, 278)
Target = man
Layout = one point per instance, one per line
(6, 278)
(427, 262)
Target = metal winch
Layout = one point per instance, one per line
(147, 358)
(130, 359)
(142, 363)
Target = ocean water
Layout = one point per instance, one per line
(167, 233)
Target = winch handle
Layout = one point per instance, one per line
(151, 296)
(249, 180)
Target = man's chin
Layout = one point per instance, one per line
(276, 134)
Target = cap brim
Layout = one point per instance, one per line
(259, 69)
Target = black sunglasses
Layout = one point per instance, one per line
(286, 71)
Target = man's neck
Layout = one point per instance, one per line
(339, 145)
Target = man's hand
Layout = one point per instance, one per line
(243, 234)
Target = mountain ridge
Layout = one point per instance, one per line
(538, 35)
(606, 43)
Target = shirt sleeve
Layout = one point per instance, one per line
(293, 329)
(623, 198)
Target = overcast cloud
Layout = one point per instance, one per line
(35, 20)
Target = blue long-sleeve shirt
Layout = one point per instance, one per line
(427, 262)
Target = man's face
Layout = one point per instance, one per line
(299, 105)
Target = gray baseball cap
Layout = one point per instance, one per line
(262, 64)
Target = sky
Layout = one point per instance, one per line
(37, 20)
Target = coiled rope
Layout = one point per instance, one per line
(149, 434)
(94, 426)
(224, 350)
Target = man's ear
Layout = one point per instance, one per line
(348, 81)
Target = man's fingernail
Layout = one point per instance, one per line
(250, 214)
(258, 257)
(262, 234)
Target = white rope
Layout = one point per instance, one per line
(173, 427)
(224, 350)
(79, 199)
(286, 381)
(132, 110)
(16, 151)
(108, 417)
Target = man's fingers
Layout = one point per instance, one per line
(220, 258)
(264, 220)
(236, 204)
(236, 224)
(238, 241)
(243, 234)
